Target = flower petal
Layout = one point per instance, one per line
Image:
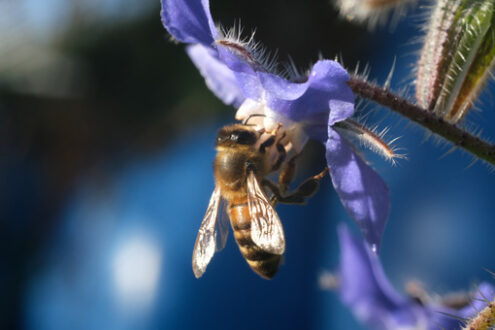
(484, 295)
(219, 78)
(363, 193)
(247, 78)
(189, 21)
(340, 110)
(325, 91)
(251, 108)
(440, 317)
(366, 290)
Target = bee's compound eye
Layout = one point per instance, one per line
(243, 137)
(222, 136)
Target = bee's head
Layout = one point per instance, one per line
(233, 135)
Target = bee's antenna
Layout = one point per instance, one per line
(245, 122)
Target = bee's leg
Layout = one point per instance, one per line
(267, 183)
(309, 186)
(271, 140)
(287, 174)
(282, 154)
(267, 143)
(277, 196)
(305, 190)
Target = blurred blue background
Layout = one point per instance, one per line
(106, 133)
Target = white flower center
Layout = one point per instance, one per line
(263, 117)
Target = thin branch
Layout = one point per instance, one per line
(437, 125)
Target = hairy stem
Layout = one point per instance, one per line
(484, 320)
(437, 125)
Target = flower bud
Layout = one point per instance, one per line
(457, 57)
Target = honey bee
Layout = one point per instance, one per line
(241, 164)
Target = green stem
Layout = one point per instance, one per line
(437, 125)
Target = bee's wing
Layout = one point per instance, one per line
(266, 228)
(206, 242)
(222, 226)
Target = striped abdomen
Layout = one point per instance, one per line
(263, 263)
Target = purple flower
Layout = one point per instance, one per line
(238, 73)
(365, 289)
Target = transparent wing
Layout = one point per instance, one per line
(266, 228)
(206, 241)
(222, 226)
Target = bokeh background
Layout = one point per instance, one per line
(106, 145)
